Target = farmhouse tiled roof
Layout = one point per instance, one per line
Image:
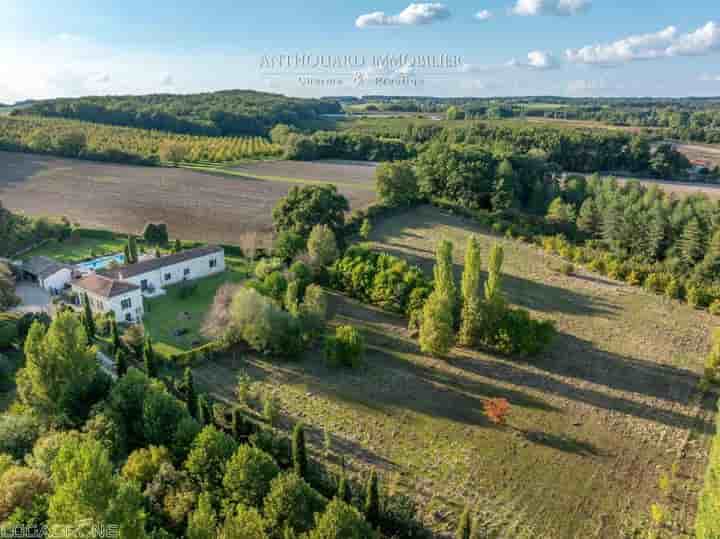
(43, 267)
(133, 270)
(104, 286)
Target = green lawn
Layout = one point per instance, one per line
(78, 250)
(166, 314)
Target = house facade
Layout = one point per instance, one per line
(105, 295)
(121, 290)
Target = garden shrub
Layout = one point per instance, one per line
(345, 348)
(18, 434)
(341, 520)
(292, 503)
(674, 289)
(714, 308)
(519, 334)
(697, 295)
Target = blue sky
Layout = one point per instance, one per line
(516, 47)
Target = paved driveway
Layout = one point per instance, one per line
(34, 299)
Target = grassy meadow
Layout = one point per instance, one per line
(596, 421)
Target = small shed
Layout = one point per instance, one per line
(49, 274)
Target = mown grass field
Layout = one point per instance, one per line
(72, 251)
(166, 314)
(594, 424)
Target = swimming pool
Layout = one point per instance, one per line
(100, 263)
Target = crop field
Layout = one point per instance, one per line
(195, 205)
(595, 422)
(358, 174)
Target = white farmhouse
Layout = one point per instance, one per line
(105, 294)
(121, 290)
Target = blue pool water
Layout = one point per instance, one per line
(100, 263)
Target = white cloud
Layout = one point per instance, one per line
(540, 60)
(530, 8)
(662, 44)
(167, 80)
(484, 15)
(639, 47)
(413, 15)
(702, 41)
(706, 77)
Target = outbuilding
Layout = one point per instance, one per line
(49, 274)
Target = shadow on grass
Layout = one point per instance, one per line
(565, 444)
(614, 378)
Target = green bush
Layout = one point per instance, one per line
(248, 476)
(291, 503)
(698, 295)
(714, 308)
(345, 348)
(519, 334)
(18, 434)
(9, 329)
(341, 521)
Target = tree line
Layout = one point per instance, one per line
(224, 113)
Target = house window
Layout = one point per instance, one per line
(213, 262)
(143, 284)
(186, 272)
(168, 276)
(128, 317)
(126, 303)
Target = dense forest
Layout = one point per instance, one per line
(225, 113)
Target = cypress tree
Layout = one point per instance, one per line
(204, 411)
(115, 336)
(444, 276)
(343, 492)
(88, 320)
(372, 500)
(121, 365)
(189, 389)
(464, 529)
(238, 423)
(132, 247)
(299, 451)
(149, 359)
(470, 292)
(126, 252)
(494, 307)
(436, 331)
(177, 246)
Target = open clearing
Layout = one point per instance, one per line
(594, 423)
(195, 205)
(356, 173)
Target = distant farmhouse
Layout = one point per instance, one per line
(121, 289)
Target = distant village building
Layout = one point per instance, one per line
(121, 290)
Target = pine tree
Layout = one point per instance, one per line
(299, 451)
(121, 365)
(204, 410)
(445, 277)
(372, 500)
(343, 492)
(656, 235)
(149, 359)
(189, 390)
(588, 220)
(464, 529)
(115, 336)
(470, 286)
(88, 320)
(691, 243)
